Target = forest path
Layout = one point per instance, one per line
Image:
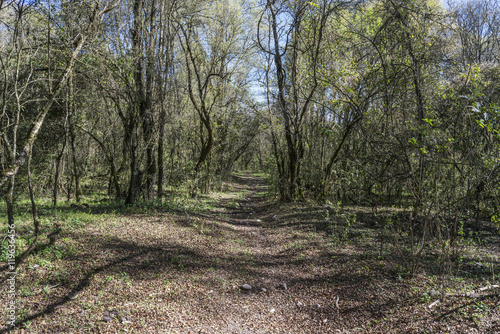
(252, 216)
(252, 212)
(233, 261)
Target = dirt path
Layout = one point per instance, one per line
(251, 215)
(181, 268)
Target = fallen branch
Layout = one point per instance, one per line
(47, 288)
(434, 304)
(476, 293)
(482, 297)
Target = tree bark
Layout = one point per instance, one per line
(146, 112)
(161, 139)
(72, 136)
(56, 176)
(139, 100)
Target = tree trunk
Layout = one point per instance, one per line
(134, 169)
(56, 176)
(139, 101)
(161, 140)
(165, 47)
(204, 155)
(151, 160)
(9, 200)
(206, 147)
(133, 184)
(72, 136)
(147, 112)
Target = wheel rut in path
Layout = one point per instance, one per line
(250, 217)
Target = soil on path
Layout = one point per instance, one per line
(184, 272)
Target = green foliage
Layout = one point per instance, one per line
(340, 223)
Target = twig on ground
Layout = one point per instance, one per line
(47, 288)
(434, 304)
(476, 293)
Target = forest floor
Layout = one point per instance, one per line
(180, 267)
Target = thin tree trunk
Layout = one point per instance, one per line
(56, 176)
(147, 111)
(206, 147)
(9, 200)
(34, 214)
(111, 160)
(161, 140)
(72, 136)
(134, 171)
